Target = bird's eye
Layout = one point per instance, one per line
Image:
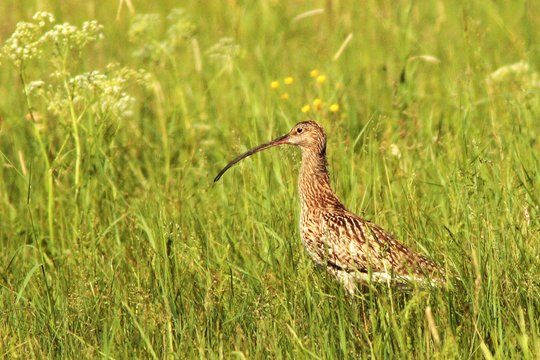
(299, 130)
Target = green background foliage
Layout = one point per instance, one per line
(115, 242)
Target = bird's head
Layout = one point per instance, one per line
(309, 135)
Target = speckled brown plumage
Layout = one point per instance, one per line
(349, 247)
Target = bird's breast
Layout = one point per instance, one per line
(311, 234)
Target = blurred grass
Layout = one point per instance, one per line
(151, 260)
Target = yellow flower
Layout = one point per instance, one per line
(334, 108)
(274, 84)
(288, 80)
(284, 96)
(321, 79)
(317, 104)
(306, 108)
(314, 73)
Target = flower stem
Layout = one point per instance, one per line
(76, 138)
(48, 169)
(74, 124)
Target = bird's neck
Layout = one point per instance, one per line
(314, 181)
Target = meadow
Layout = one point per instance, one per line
(115, 116)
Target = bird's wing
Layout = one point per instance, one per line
(355, 244)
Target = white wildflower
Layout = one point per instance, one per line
(145, 30)
(180, 26)
(23, 44)
(66, 36)
(102, 95)
(144, 27)
(43, 17)
(225, 52)
(35, 86)
(394, 151)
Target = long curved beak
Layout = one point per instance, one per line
(279, 141)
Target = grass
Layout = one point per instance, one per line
(140, 255)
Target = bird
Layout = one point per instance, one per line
(351, 248)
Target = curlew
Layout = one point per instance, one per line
(350, 248)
